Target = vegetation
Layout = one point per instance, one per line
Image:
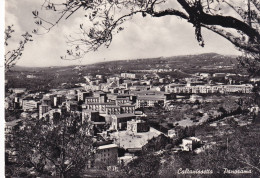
(59, 149)
(12, 56)
(144, 166)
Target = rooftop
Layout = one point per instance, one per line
(13, 123)
(97, 103)
(107, 146)
(125, 115)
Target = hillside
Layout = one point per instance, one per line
(187, 63)
(182, 66)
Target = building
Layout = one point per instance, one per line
(127, 108)
(255, 79)
(119, 122)
(100, 107)
(30, 76)
(245, 88)
(128, 75)
(150, 100)
(43, 109)
(194, 98)
(100, 76)
(91, 100)
(137, 126)
(139, 88)
(172, 133)
(17, 90)
(113, 110)
(189, 144)
(82, 95)
(106, 155)
(58, 100)
(53, 115)
(46, 101)
(29, 105)
(122, 100)
(204, 75)
(219, 75)
(71, 106)
(101, 95)
(89, 115)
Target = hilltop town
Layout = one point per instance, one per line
(164, 111)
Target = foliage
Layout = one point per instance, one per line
(64, 148)
(239, 150)
(236, 151)
(157, 143)
(145, 166)
(12, 56)
(251, 62)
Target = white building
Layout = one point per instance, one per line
(189, 143)
(172, 133)
(29, 105)
(128, 75)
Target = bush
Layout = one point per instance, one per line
(168, 146)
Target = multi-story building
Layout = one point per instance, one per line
(71, 106)
(120, 101)
(127, 108)
(82, 95)
(120, 109)
(149, 100)
(101, 95)
(46, 101)
(91, 100)
(29, 105)
(137, 126)
(128, 75)
(100, 107)
(245, 88)
(58, 100)
(106, 155)
(53, 115)
(113, 109)
(89, 115)
(119, 122)
(140, 88)
(238, 88)
(43, 109)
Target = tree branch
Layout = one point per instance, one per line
(224, 21)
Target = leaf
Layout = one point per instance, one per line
(35, 13)
(81, 26)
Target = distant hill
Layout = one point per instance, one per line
(187, 63)
(182, 66)
(183, 61)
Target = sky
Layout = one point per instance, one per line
(141, 38)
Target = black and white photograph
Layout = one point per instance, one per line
(131, 88)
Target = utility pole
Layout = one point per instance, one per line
(227, 144)
(249, 13)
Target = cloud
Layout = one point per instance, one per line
(142, 37)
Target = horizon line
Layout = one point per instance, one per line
(113, 60)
